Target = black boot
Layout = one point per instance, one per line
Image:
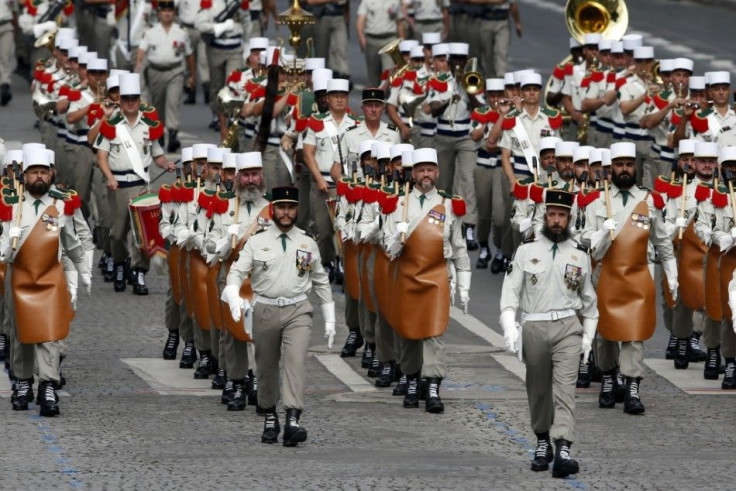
(139, 286)
(376, 366)
(619, 386)
(729, 376)
(293, 433)
(205, 368)
(433, 403)
(606, 398)
(329, 268)
(470, 240)
(682, 359)
(22, 394)
(227, 392)
(671, 351)
(3, 344)
(368, 352)
(102, 263)
(710, 370)
(563, 466)
(238, 400)
(5, 95)
(48, 399)
(271, 428)
(119, 280)
(544, 454)
(172, 344)
(386, 378)
(352, 343)
(206, 91)
(219, 380)
(109, 272)
(191, 97)
(696, 354)
(632, 401)
(413, 390)
(583, 381)
(188, 356)
(593, 369)
(499, 263)
(252, 388)
(174, 143)
(483, 257)
(401, 387)
(339, 273)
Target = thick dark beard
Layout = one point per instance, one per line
(554, 236)
(621, 184)
(38, 188)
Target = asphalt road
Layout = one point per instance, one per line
(118, 429)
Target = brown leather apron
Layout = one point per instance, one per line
(690, 272)
(366, 250)
(420, 285)
(352, 279)
(713, 307)
(198, 289)
(213, 295)
(626, 292)
(726, 268)
(173, 258)
(381, 279)
(184, 281)
(43, 305)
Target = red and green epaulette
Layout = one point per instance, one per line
(155, 127)
(595, 76)
(205, 4)
(662, 185)
(390, 203)
(70, 198)
(554, 117)
(356, 118)
(6, 206)
(702, 192)
(343, 186)
(184, 192)
(611, 77)
(484, 115)
(536, 192)
(620, 82)
(699, 120)
(584, 198)
(107, 127)
(149, 111)
(372, 193)
(31, 6)
(439, 83)
(94, 113)
(521, 188)
(458, 203)
(165, 194)
(661, 99)
(562, 70)
(719, 197)
(204, 200)
(410, 76)
(316, 121)
(676, 117)
(355, 193)
(235, 76)
(219, 203)
(657, 200)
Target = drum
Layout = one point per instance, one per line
(145, 212)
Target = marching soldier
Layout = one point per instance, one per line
(187, 13)
(429, 16)
(165, 47)
(36, 233)
(7, 47)
(620, 242)
(378, 22)
(716, 123)
(430, 222)
(331, 33)
(550, 282)
(126, 146)
(283, 264)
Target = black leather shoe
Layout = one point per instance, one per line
(596, 375)
(205, 368)
(470, 240)
(483, 258)
(543, 454)
(251, 385)
(671, 350)
(139, 286)
(219, 380)
(109, 273)
(22, 394)
(3, 346)
(188, 356)
(352, 343)
(239, 398)
(172, 344)
(729, 376)
(293, 433)
(606, 398)
(191, 97)
(619, 386)
(206, 91)
(432, 402)
(120, 282)
(271, 428)
(696, 354)
(368, 352)
(583, 381)
(563, 465)
(48, 406)
(413, 391)
(401, 387)
(5, 95)
(339, 274)
(376, 367)
(386, 377)
(710, 370)
(632, 401)
(498, 265)
(174, 144)
(682, 355)
(227, 393)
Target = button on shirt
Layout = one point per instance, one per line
(166, 48)
(274, 272)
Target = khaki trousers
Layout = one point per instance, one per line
(221, 63)
(331, 42)
(352, 314)
(200, 55)
(492, 191)
(121, 227)
(7, 48)
(186, 326)
(385, 340)
(324, 232)
(630, 359)
(552, 356)
(103, 222)
(375, 62)
(83, 164)
(728, 339)
(274, 169)
(166, 89)
(492, 49)
(427, 355)
(457, 157)
(367, 319)
(422, 27)
(172, 314)
(235, 356)
(276, 330)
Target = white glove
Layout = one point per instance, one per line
(233, 229)
(231, 296)
(525, 225)
(196, 241)
(86, 280)
(14, 233)
(71, 282)
(733, 232)
(182, 236)
(725, 242)
(707, 237)
(589, 327)
(452, 273)
(670, 269)
(670, 229)
(463, 285)
(680, 222)
(90, 259)
(328, 312)
(609, 224)
(222, 245)
(222, 27)
(510, 331)
(248, 318)
(42, 28)
(732, 304)
(402, 228)
(598, 238)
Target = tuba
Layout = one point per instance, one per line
(392, 49)
(231, 104)
(472, 80)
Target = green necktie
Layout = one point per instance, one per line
(249, 203)
(625, 196)
(37, 203)
(283, 241)
(422, 199)
(554, 250)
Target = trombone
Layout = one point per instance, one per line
(471, 81)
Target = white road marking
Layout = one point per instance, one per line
(166, 378)
(690, 381)
(340, 369)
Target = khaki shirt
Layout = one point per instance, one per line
(726, 135)
(221, 221)
(326, 141)
(381, 16)
(275, 272)
(429, 10)
(712, 222)
(573, 86)
(118, 158)
(691, 205)
(634, 88)
(354, 136)
(165, 48)
(540, 280)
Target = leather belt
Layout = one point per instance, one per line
(281, 301)
(164, 68)
(548, 316)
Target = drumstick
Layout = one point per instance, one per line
(682, 204)
(608, 201)
(20, 209)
